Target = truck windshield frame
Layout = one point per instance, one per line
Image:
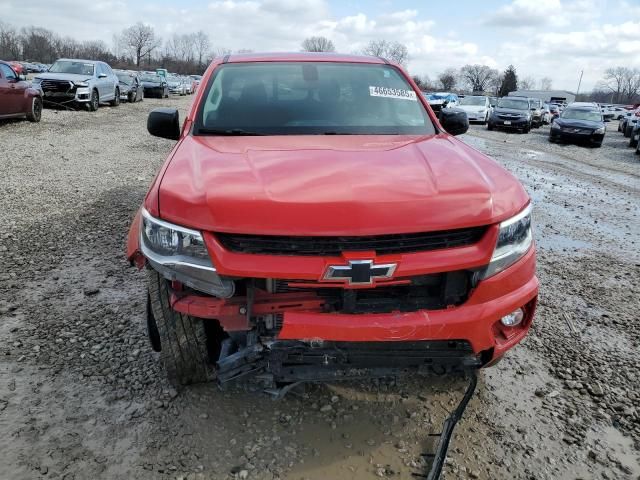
(310, 98)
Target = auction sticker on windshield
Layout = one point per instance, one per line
(392, 93)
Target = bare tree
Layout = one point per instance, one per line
(526, 83)
(317, 44)
(394, 51)
(202, 45)
(478, 78)
(622, 83)
(140, 40)
(545, 83)
(448, 79)
(9, 42)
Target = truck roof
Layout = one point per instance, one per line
(302, 57)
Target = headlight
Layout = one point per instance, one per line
(81, 84)
(514, 240)
(599, 131)
(36, 81)
(179, 253)
(555, 126)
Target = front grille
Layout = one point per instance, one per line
(334, 246)
(508, 116)
(424, 292)
(57, 86)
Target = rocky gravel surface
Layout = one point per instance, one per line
(82, 396)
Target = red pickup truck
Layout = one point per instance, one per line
(315, 221)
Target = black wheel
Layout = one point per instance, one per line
(597, 145)
(638, 149)
(94, 103)
(131, 97)
(490, 126)
(633, 139)
(166, 93)
(627, 131)
(36, 110)
(526, 129)
(116, 99)
(619, 126)
(182, 339)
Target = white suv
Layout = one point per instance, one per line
(79, 82)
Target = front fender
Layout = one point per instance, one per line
(134, 255)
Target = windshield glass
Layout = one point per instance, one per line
(125, 78)
(311, 98)
(69, 66)
(473, 101)
(513, 103)
(151, 78)
(580, 114)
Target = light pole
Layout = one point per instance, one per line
(579, 83)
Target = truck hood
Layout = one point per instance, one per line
(333, 185)
(64, 76)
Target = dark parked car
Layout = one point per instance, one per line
(155, 86)
(635, 135)
(579, 124)
(17, 97)
(511, 113)
(131, 89)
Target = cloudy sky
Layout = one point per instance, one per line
(542, 38)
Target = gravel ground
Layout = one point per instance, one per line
(81, 394)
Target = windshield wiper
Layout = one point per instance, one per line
(230, 132)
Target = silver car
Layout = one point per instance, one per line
(79, 82)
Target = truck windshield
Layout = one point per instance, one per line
(68, 66)
(310, 98)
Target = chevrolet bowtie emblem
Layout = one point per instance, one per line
(359, 272)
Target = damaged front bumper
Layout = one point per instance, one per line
(289, 361)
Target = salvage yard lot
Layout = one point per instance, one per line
(82, 396)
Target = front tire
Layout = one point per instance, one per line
(182, 339)
(490, 126)
(116, 99)
(36, 110)
(633, 142)
(94, 103)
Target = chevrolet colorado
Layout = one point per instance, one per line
(315, 221)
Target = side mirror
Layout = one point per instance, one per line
(164, 123)
(454, 120)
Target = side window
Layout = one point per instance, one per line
(7, 72)
(100, 69)
(108, 70)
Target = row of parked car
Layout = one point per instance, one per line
(629, 125)
(74, 83)
(518, 113)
